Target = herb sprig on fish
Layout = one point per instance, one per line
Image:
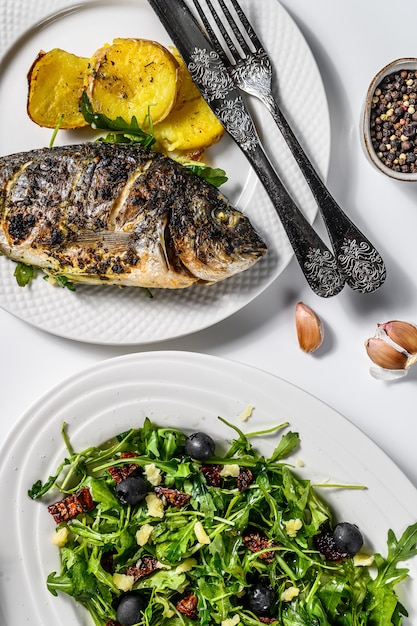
(156, 528)
(123, 132)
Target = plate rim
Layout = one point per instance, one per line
(239, 373)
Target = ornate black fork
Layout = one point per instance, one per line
(251, 71)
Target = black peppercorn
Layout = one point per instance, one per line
(393, 121)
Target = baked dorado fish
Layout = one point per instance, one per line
(120, 214)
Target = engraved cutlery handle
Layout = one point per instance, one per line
(358, 259)
(315, 259)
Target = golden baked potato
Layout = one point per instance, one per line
(132, 77)
(191, 126)
(55, 84)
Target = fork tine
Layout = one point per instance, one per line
(246, 24)
(235, 28)
(210, 32)
(212, 35)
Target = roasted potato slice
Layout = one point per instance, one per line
(131, 75)
(191, 126)
(55, 84)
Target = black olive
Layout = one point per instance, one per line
(199, 446)
(260, 599)
(347, 537)
(131, 490)
(130, 608)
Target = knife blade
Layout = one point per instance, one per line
(218, 89)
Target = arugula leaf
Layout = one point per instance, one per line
(63, 282)
(214, 175)
(164, 579)
(384, 602)
(287, 444)
(399, 550)
(102, 494)
(126, 132)
(59, 582)
(39, 488)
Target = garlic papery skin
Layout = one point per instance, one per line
(403, 334)
(385, 355)
(393, 349)
(309, 328)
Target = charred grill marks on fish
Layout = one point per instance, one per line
(111, 213)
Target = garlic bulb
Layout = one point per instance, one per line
(309, 328)
(393, 349)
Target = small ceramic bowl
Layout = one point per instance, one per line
(400, 149)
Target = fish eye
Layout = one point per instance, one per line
(226, 217)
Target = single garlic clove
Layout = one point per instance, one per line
(385, 355)
(309, 328)
(401, 333)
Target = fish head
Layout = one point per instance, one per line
(212, 239)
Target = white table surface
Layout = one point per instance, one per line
(351, 41)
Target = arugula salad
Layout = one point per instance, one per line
(159, 526)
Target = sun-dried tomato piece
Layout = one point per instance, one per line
(120, 472)
(145, 566)
(244, 479)
(256, 542)
(266, 620)
(70, 506)
(212, 474)
(188, 606)
(174, 497)
(326, 545)
(112, 622)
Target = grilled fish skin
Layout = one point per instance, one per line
(102, 213)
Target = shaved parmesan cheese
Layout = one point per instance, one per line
(230, 470)
(60, 537)
(200, 533)
(143, 534)
(155, 505)
(153, 474)
(123, 582)
(246, 414)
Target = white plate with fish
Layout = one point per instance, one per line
(109, 315)
(188, 391)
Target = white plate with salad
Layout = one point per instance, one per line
(93, 314)
(189, 392)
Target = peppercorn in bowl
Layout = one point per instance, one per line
(389, 120)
